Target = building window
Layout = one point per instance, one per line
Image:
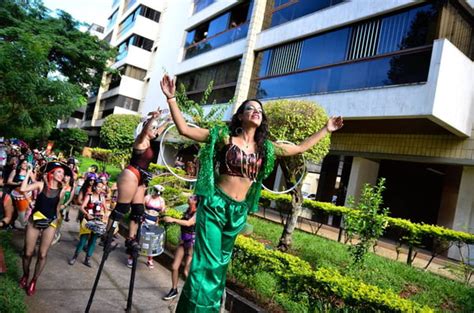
(224, 29)
(223, 75)
(150, 13)
(117, 101)
(89, 111)
(126, 70)
(136, 40)
(394, 49)
(129, 4)
(201, 4)
(142, 10)
(115, 2)
(288, 10)
(112, 19)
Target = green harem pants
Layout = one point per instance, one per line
(219, 220)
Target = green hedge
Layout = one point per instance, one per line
(297, 281)
(413, 232)
(12, 298)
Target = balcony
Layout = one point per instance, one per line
(219, 40)
(134, 56)
(441, 95)
(71, 122)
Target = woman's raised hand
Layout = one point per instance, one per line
(168, 86)
(334, 123)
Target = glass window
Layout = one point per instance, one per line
(128, 22)
(391, 70)
(128, 4)
(202, 4)
(150, 13)
(325, 49)
(408, 29)
(218, 25)
(298, 9)
(112, 19)
(224, 75)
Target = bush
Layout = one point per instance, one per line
(12, 298)
(118, 131)
(300, 284)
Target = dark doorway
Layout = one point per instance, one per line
(414, 190)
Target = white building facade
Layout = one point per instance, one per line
(400, 72)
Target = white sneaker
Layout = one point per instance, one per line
(129, 263)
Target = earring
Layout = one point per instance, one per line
(239, 130)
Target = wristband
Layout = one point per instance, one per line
(170, 97)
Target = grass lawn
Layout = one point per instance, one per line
(423, 287)
(12, 298)
(85, 163)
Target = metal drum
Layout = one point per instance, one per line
(97, 227)
(152, 240)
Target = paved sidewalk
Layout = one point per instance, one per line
(65, 288)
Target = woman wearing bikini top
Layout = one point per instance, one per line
(246, 157)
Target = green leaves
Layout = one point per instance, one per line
(46, 67)
(117, 132)
(194, 111)
(295, 121)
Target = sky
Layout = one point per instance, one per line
(89, 11)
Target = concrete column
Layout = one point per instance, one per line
(327, 178)
(464, 214)
(363, 171)
(248, 57)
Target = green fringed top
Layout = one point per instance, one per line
(206, 177)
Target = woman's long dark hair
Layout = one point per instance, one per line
(261, 133)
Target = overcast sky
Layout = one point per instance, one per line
(89, 11)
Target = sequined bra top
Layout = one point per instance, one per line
(235, 162)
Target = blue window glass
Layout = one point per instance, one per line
(265, 62)
(112, 19)
(392, 70)
(202, 4)
(227, 37)
(218, 25)
(298, 9)
(325, 49)
(190, 38)
(408, 29)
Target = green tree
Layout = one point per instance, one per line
(368, 224)
(294, 121)
(117, 132)
(69, 139)
(46, 66)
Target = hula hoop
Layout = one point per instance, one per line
(297, 183)
(191, 180)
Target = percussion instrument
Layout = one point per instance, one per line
(152, 240)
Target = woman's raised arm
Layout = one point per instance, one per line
(168, 86)
(284, 149)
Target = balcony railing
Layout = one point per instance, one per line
(391, 69)
(218, 40)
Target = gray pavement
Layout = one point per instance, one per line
(65, 288)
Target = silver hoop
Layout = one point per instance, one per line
(191, 180)
(297, 183)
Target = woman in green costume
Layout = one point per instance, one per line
(244, 157)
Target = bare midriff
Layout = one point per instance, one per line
(234, 186)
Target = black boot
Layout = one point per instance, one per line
(87, 261)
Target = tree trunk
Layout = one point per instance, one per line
(296, 206)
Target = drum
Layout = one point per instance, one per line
(97, 227)
(20, 200)
(152, 240)
(151, 216)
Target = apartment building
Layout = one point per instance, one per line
(399, 71)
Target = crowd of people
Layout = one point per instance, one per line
(38, 190)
